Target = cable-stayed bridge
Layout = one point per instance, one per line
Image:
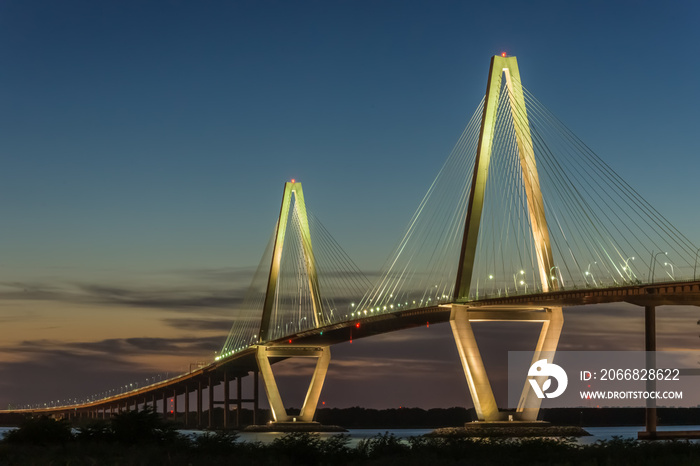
(522, 220)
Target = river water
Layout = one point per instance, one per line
(597, 433)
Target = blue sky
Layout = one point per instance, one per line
(145, 144)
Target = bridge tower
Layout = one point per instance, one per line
(462, 315)
(265, 349)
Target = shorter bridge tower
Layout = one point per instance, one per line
(266, 349)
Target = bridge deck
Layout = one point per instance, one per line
(242, 363)
(655, 294)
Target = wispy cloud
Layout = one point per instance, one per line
(171, 299)
(216, 325)
(165, 298)
(223, 275)
(120, 348)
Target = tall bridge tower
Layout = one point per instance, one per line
(461, 315)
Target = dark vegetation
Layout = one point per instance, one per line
(144, 438)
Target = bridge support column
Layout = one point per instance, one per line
(473, 366)
(529, 404)
(199, 404)
(238, 401)
(650, 348)
(187, 406)
(480, 389)
(308, 409)
(256, 396)
(210, 411)
(227, 402)
(175, 404)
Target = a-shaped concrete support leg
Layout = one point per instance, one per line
(485, 405)
(279, 413)
(529, 405)
(477, 379)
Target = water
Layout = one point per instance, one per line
(626, 432)
(597, 433)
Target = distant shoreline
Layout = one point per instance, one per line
(418, 418)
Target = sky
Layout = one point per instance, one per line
(145, 144)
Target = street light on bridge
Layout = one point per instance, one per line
(653, 265)
(588, 273)
(553, 276)
(627, 269)
(672, 273)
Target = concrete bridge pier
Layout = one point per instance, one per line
(650, 348)
(308, 409)
(175, 404)
(462, 316)
(199, 404)
(256, 390)
(210, 411)
(238, 401)
(227, 400)
(187, 406)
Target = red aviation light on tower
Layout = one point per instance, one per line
(503, 54)
(293, 180)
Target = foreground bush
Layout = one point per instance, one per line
(141, 427)
(142, 439)
(40, 431)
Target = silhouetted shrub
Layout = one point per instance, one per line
(218, 443)
(40, 431)
(297, 448)
(383, 445)
(95, 431)
(336, 446)
(139, 427)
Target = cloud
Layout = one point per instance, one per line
(171, 299)
(229, 275)
(60, 374)
(121, 348)
(47, 369)
(202, 324)
(31, 291)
